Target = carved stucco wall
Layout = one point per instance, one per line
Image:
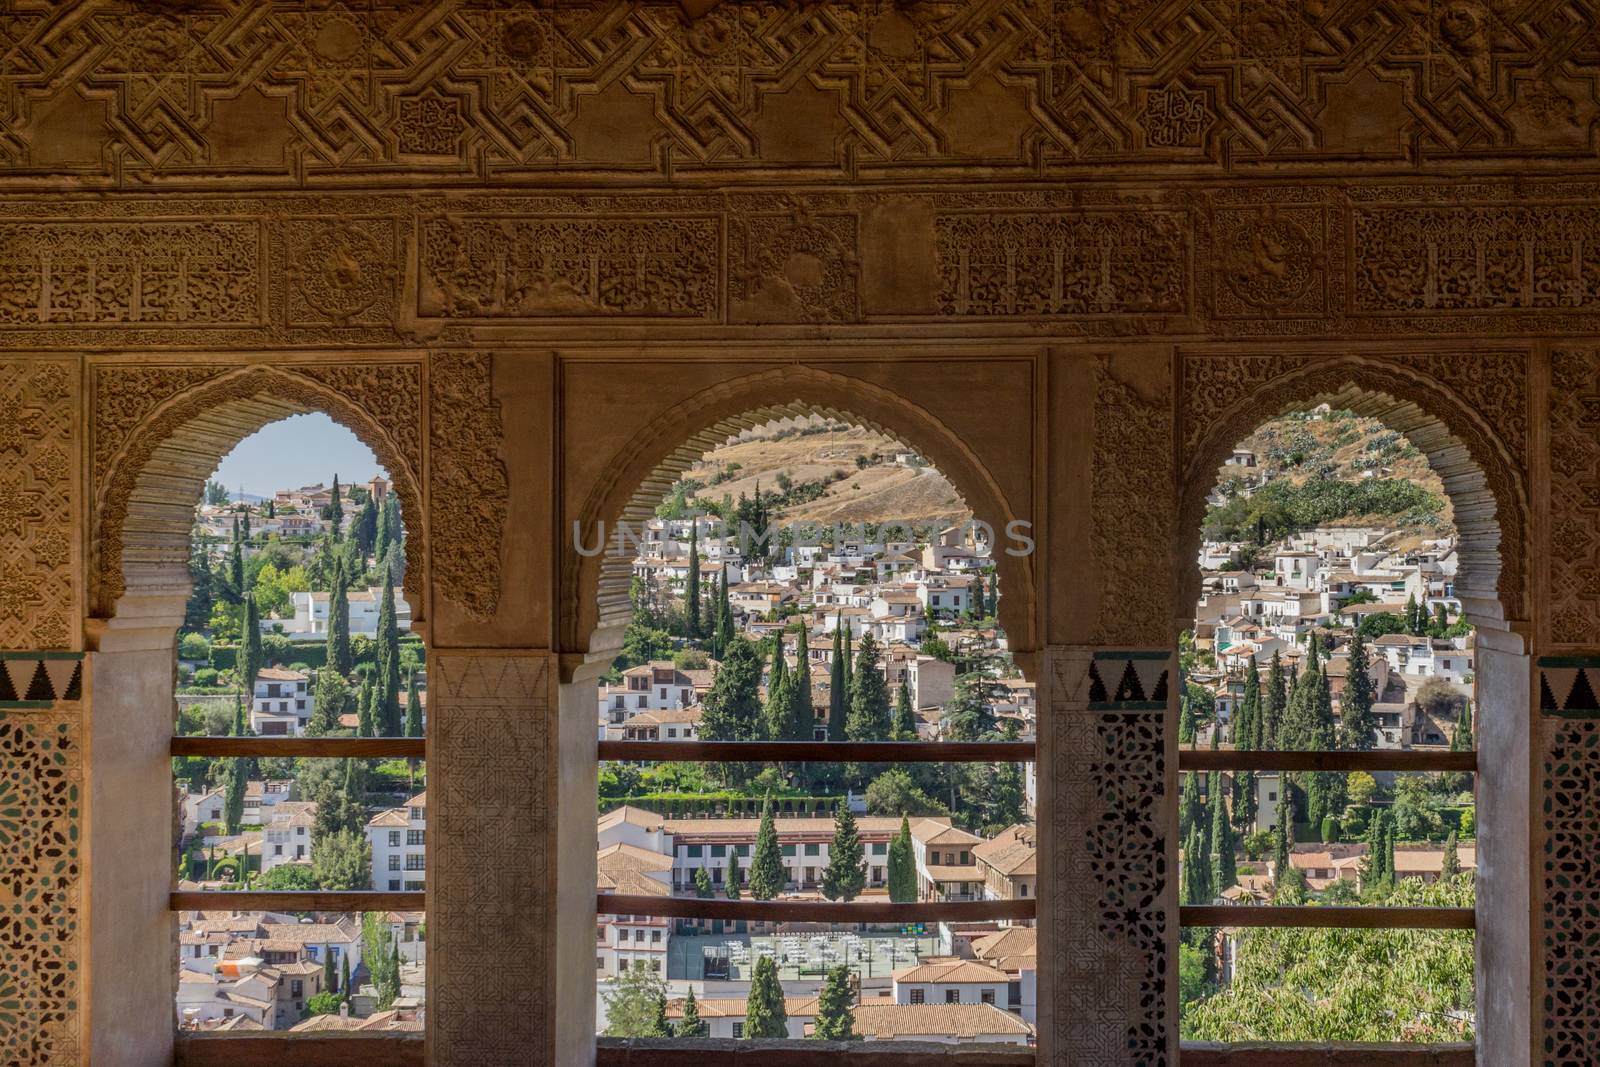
(340, 191)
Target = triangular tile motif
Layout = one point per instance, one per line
(74, 690)
(1557, 681)
(1152, 677)
(1582, 697)
(61, 672)
(8, 692)
(1547, 699)
(1097, 685)
(1132, 686)
(39, 688)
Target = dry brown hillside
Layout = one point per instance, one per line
(815, 450)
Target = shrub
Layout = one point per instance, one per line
(205, 676)
(194, 646)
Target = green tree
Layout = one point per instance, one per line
(329, 698)
(1272, 705)
(733, 704)
(364, 530)
(730, 887)
(724, 631)
(690, 1025)
(869, 718)
(339, 656)
(905, 718)
(1461, 740)
(342, 860)
(838, 686)
(250, 660)
(779, 714)
(386, 706)
(216, 494)
(766, 878)
(330, 976)
(336, 510)
(691, 610)
(902, 874)
(344, 974)
(1186, 723)
(895, 792)
(702, 884)
(1332, 985)
(1188, 804)
(1358, 727)
(366, 725)
(836, 1019)
(633, 1004)
(413, 707)
(238, 777)
(845, 876)
(764, 1014)
(1452, 858)
(324, 1003)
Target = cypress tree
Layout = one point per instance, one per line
(779, 713)
(1186, 723)
(1452, 858)
(250, 657)
(339, 657)
(733, 705)
(335, 509)
(849, 669)
(802, 715)
(1358, 727)
(1224, 871)
(1273, 705)
(702, 883)
(869, 718)
(413, 707)
(1191, 883)
(723, 632)
(845, 876)
(905, 719)
(344, 974)
(836, 1020)
(766, 879)
(730, 888)
(1282, 843)
(838, 686)
(1188, 804)
(233, 796)
(330, 977)
(691, 606)
(690, 1025)
(764, 1014)
(659, 1027)
(386, 714)
(902, 865)
(1461, 740)
(365, 726)
(236, 576)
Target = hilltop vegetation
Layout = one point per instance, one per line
(1338, 469)
(819, 470)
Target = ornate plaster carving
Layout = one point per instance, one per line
(469, 487)
(492, 794)
(443, 91)
(39, 439)
(153, 409)
(1133, 527)
(1574, 409)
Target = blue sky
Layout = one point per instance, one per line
(301, 450)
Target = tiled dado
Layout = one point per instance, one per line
(41, 790)
(1570, 819)
(39, 679)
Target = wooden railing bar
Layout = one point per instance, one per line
(859, 911)
(822, 751)
(1342, 917)
(1190, 759)
(332, 747)
(1264, 1054)
(294, 900)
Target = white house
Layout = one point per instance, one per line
(286, 834)
(952, 981)
(311, 613)
(281, 704)
(399, 845)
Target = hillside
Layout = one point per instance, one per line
(849, 473)
(1335, 469)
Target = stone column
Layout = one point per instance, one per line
(1108, 939)
(492, 898)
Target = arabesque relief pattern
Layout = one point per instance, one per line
(120, 92)
(1351, 258)
(38, 457)
(492, 791)
(1574, 602)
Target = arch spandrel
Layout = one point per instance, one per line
(159, 432)
(1467, 413)
(595, 589)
